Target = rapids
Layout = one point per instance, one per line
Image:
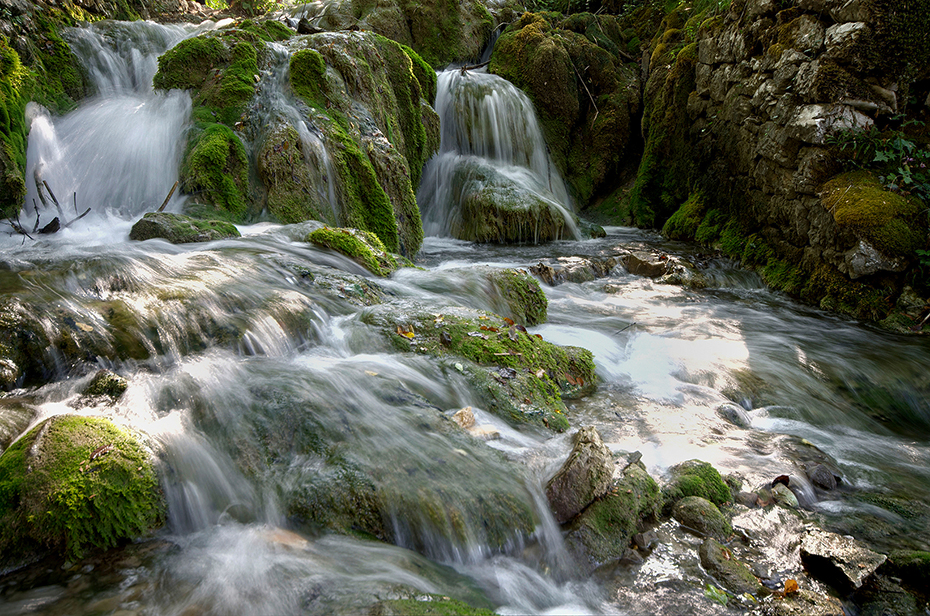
(258, 378)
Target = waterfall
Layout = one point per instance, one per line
(490, 139)
(119, 152)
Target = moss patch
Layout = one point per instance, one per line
(179, 229)
(216, 166)
(525, 299)
(362, 246)
(695, 478)
(885, 219)
(74, 484)
(427, 605)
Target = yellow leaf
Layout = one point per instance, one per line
(791, 586)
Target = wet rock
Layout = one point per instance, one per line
(602, 532)
(645, 264)
(783, 495)
(179, 229)
(574, 269)
(702, 516)
(465, 418)
(695, 478)
(822, 477)
(882, 596)
(911, 566)
(75, 484)
(735, 414)
(485, 432)
(803, 603)
(585, 476)
(646, 541)
(525, 301)
(723, 565)
(747, 499)
(427, 605)
(106, 384)
(682, 273)
(837, 559)
(362, 247)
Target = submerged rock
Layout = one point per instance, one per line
(542, 373)
(15, 416)
(603, 531)
(803, 603)
(838, 559)
(584, 477)
(179, 229)
(75, 484)
(105, 384)
(724, 567)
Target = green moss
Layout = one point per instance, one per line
(684, 223)
(362, 246)
(911, 566)
(428, 605)
(887, 220)
(308, 76)
(180, 229)
(106, 383)
(188, 64)
(831, 290)
(216, 166)
(543, 373)
(74, 484)
(695, 478)
(525, 299)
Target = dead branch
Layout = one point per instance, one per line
(474, 66)
(68, 224)
(168, 198)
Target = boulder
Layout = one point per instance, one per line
(645, 264)
(15, 416)
(525, 301)
(700, 515)
(361, 246)
(584, 477)
(75, 484)
(694, 478)
(179, 229)
(732, 573)
(105, 384)
(603, 531)
(838, 560)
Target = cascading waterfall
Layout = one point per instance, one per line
(119, 152)
(490, 139)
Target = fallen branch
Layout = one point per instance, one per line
(474, 66)
(168, 198)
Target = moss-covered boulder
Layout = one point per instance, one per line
(602, 532)
(702, 516)
(520, 376)
(179, 229)
(694, 478)
(586, 93)
(15, 416)
(911, 566)
(526, 303)
(583, 477)
(106, 384)
(427, 605)
(75, 484)
(361, 246)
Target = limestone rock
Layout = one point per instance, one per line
(465, 418)
(784, 496)
(644, 264)
(361, 246)
(735, 414)
(813, 123)
(694, 478)
(485, 432)
(179, 229)
(838, 559)
(864, 260)
(720, 562)
(822, 477)
(803, 603)
(701, 515)
(584, 477)
(106, 383)
(15, 416)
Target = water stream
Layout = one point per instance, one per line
(272, 402)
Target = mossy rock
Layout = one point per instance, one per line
(912, 566)
(106, 383)
(603, 530)
(887, 220)
(216, 166)
(685, 222)
(522, 377)
(694, 478)
(75, 484)
(701, 515)
(15, 416)
(179, 229)
(427, 605)
(735, 576)
(526, 302)
(361, 246)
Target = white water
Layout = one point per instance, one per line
(490, 137)
(119, 152)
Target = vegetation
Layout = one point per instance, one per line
(362, 246)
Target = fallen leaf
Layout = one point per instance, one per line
(540, 373)
(791, 586)
(570, 379)
(370, 373)
(406, 332)
(84, 327)
(508, 321)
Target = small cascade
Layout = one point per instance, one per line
(119, 152)
(277, 109)
(491, 147)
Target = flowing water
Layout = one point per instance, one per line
(278, 410)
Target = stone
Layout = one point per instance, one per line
(465, 418)
(646, 541)
(106, 383)
(803, 603)
(865, 260)
(838, 560)
(822, 477)
(363, 247)
(485, 432)
(807, 34)
(700, 515)
(735, 414)
(644, 264)
(694, 478)
(784, 496)
(723, 565)
(15, 416)
(814, 123)
(849, 10)
(584, 477)
(844, 42)
(759, 8)
(747, 499)
(179, 229)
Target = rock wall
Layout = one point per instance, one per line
(740, 110)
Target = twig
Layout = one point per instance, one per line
(74, 198)
(54, 200)
(168, 198)
(36, 226)
(68, 224)
(474, 66)
(625, 328)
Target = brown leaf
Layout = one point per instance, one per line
(508, 321)
(791, 586)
